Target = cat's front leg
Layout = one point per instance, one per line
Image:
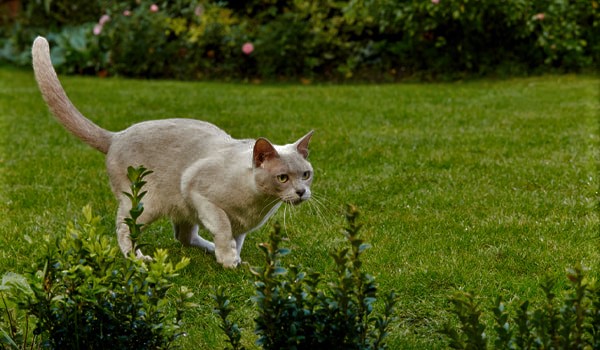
(239, 242)
(217, 222)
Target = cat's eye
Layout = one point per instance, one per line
(283, 178)
(306, 175)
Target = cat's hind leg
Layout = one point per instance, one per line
(187, 234)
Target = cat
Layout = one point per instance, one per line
(201, 175)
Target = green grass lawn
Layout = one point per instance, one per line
(486, 185)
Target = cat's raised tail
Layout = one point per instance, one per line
(59, 103)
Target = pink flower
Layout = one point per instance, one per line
(435, 2)
(104, 19)
(154, 8)
(126, 13)
(539, 16)
(247, 48)
(97, 29)
(199, 10)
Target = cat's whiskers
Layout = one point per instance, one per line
(288, 212)
(285, 206)
(315, 208)
(321, 207)
(292, 211)
(318, 206)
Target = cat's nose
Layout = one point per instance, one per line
(301, 192)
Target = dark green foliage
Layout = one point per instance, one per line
(501, 325)
(471, 332)
(377, 39)
(57, 13)
(231, 329)
(142, 43)
(570, 324)
(298, 309)
(84, 294)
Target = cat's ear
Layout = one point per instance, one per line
(302, 144)
(263, 150)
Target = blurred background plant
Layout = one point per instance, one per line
(324, 40)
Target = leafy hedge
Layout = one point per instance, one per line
(82, 294)
(299, 309)
(325, 39)
(568, 319)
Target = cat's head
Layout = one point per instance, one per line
(283, 171)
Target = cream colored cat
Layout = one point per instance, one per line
(201, 175)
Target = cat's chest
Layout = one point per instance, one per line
(251, 218)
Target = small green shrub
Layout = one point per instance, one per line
(136, 178)
(223, 309)
(298, 309)
(573, 323)
(82, 293)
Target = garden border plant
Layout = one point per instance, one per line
(570, 323)
(304, 309)
(82, 293)
(339, 40)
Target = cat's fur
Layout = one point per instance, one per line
(201, 175)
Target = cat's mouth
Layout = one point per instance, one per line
(296, 200)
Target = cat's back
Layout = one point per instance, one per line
(169, 133)
(172, 129)
(169, 141)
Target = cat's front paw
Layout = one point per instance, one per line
(228, 258)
